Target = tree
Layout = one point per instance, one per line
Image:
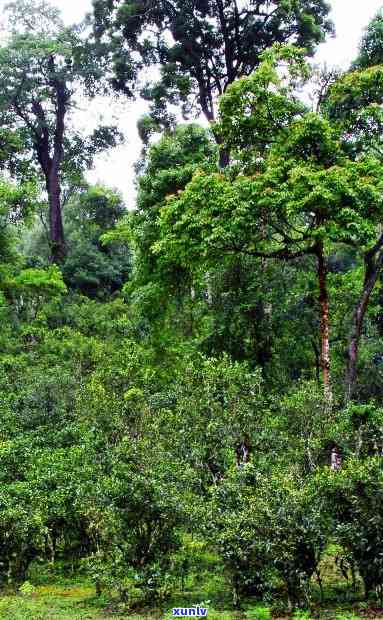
(353, 103)
(299, 194)
(201, 46)
(371, 48)
(95, 269)
(42, 67)
(168, 166)
(16, 206)
(355, 498)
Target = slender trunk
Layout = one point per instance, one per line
(189, 330)
(50, 154)
(58, 248)
(335, 459)
(325, 360)
(372, 271)
(266, 312)
(57, 239)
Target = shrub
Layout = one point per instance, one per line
(268, 528)
(138, 512)
(355, 497)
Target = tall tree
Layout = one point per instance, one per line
(43, 65)
(371, 46)
(200, 46)
(297, 193)
(354, 103)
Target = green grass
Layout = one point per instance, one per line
(54, 593)
(51, 602)
(79, 603)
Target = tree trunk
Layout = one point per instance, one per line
(325, 360)
(50, 154)
(58, 247)
(224, 154)
(372, 271)
(57, 239)
(224, 158)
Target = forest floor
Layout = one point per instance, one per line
(78, 602)
(49, 595)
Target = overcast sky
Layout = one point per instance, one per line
(350, 17)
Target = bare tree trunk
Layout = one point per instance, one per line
(325, 360)
(58, 247)
(50, 158)
(372, 271)
(209, 289)
(57, 239)
(50, 153)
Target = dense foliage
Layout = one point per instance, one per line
(197, 382)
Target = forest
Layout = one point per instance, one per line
(191, 391)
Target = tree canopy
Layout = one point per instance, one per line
(200, 47)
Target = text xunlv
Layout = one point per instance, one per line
(199, 612)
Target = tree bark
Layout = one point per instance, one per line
(373, 265)
(50, 154)
(57, 238)
(325, 360)
(224, 158)
(58, 246)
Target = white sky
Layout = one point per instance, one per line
(116, 169)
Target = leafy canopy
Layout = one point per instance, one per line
(202, 46)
